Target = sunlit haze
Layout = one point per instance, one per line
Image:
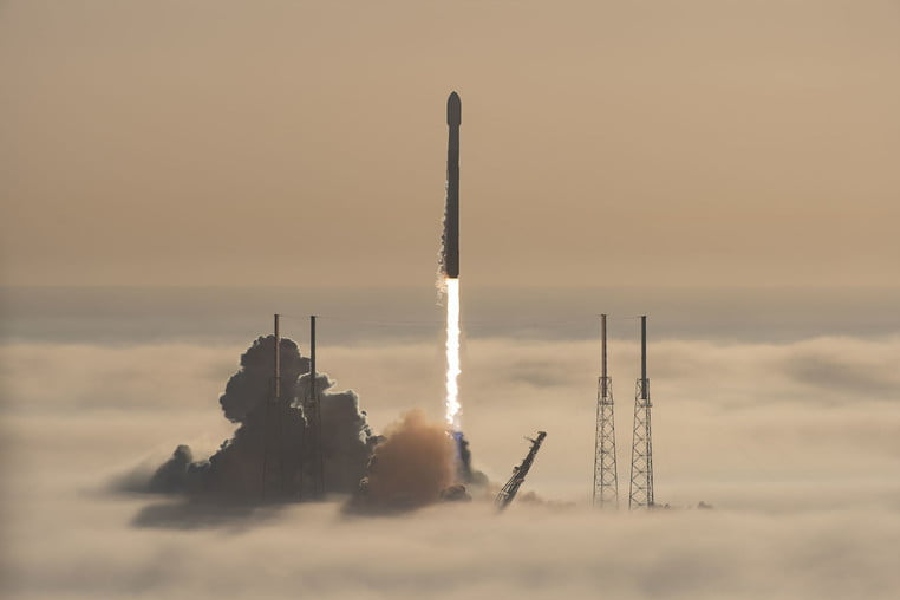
(697, 142)
(173, 174)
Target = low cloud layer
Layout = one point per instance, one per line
(800, 467)
(462, 551)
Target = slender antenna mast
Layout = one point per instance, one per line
(603, 374)
(314, 420)
(277, 358)
(641, 489)
(645, 393)
(606, 478)
(267, 421)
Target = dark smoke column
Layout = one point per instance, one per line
(450, 257)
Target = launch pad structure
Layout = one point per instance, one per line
(509, 491)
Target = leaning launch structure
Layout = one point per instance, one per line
(509, 491)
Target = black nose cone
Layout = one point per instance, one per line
(454, 109)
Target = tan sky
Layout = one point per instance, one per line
(299, 142)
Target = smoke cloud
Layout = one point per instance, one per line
(267, 458)
(412, 467)
(250, 386)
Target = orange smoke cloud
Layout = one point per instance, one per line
(412, 466)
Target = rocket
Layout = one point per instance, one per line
(450, 255)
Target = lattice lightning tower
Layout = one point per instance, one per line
(640, 493)
(606, 479)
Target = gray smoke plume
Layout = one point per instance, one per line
(172, 475)
(266, 459)
(253, 384)
(269, 456)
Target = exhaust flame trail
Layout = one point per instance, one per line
(453, 409)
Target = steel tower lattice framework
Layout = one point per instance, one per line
(606, 478)
(640, 493)
(509, 491)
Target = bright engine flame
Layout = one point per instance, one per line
(453, 409)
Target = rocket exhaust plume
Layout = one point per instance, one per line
(452, 405)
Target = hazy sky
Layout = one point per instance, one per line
(304, 142)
